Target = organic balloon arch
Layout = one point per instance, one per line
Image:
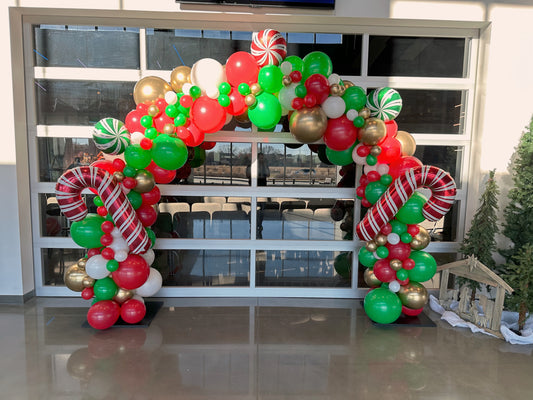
(169, 126)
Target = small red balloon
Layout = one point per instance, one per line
(296, 76)
(318, 85)
(310, 100)
(132, 311)
(129, 183)
(87, 293)
(106, 239)
(93, 252)
(392, 128)
(408, 264)
(340, 134)
(101, 211)
(208, 145)
(132, 272)
(186, 101)
(237, 105)
(373, 176)
(297, 103)
(152, 197)
(161, 121)
(363, 150)
(399, 251)
(383, 271)
(413, 230)
(161, 175)
(118, 164)
(386, 229)
(108, 253)
(161, 104)
(146, 144)
(146, 214)
(107, 226)
(411, 312)
(103, 314)
(133, 121)
(391, 150)
(400, 166)
(143, 107)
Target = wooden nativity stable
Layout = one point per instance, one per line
(487, 315)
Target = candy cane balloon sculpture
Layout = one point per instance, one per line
(68, 194)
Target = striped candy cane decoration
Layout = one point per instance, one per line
(68, 193)
(443, 192)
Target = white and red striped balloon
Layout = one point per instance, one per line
(268, 47)
(68, 193)
(443, 191)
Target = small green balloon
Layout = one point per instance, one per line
(425, 266)
(412, 211)
(270, 78)
(129, 171)
(382, 252)
(171, 110)
(398, 227)
(136, 157)
(224, 100)
(300, 91)
(105, 289)
(296, 62)
(374, 190)
(198, 159)
(366, 258)
(402, 274)
(185, 111)
(317, 62)
(150, 133)
(146, 121)
(195, 91)
(244, 89)
(354, 97)
(135, 199)
(98, 201)
(386, 179)
(371, 160)
(151, 236)
(87, 232)
(112, 265)
(169, 154)
(406, 237)
(224, 88)
(382, 306)
(180, 120)
(359, 122)
(342, 157)
(267, 111)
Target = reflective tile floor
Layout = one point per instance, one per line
(251, 349)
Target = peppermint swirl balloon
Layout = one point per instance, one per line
(111, 136)
(268, 47)
(384, 103)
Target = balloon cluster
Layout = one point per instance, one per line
(165, 135)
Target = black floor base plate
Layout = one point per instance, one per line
(152, 308)
(421, 320)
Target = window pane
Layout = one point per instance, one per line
(56, 155)
(93, 47)
(56, 261)
(298, 268)
(431, 111)
(203, 267)
(416, 56)
(448, 158)
(61, 102)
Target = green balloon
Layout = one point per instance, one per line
(87, 232)
(317, 62)
(135, 199)
(425, 266)
(382, 252)
(151, 235)
(343, 265)
(112, 265)
(374, 190)
(398, 227)
(169, 153)
(270, 78)
(105, 289)
(367, 258)
(172, 110)
(354, 97)
(343, 157)
(382, 306)
(267, 111)
(198, 158)
(411, 211)
(137, 157)
(296, 62)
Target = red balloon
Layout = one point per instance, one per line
(208, 145)
(317, 85)
(392, 128)
(340, 134)
(411, 312)
(403, 164)
(400, 251)
(194, 136)
(118, 164)
(152, 197)
(208, 115)
(161, 121)
(108, 253)
(408, 264)
(184, 172)
(241, 67)
(105, 165)
(87, 293)
(383, 271)
(132, 311)
(237, 105)
(161, 175)
(391, 150)
(133, 121)
(132, 272)
(146, 214)
(161, 104)
(103, 314)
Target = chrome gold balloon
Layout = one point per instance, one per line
(308, 124)
(373, 131)
(255, 88)
(153, 110)
(348, 84)
(118, 175)
(335, 89)
(364, 112)
(380, 239)
(145, 181)
(371, 246)
(408, 143)
(375, 151)
(180, 76)
(413, 295)
(74, 277)
(370, 278)
(149, 89)
(286, 80)
(250, 100)
(395, 264)
(169, 128)
(82, 262)
(123, 295)
(420, 240)
(88, 282)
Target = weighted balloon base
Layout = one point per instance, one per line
(152, 308)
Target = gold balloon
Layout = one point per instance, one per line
(255, 88)
(82, 262)
(153, 110)
(169, 128)
(149, 89)
(370, 278)
(145, 181)
(395, 264)
(74, 277)
(375, 151)
(421, 239)
(335, 89)
(408, 143)
(123, 295)
(380, 239)
(364, 112)
(371, 246)
(286, 80)
(250, 100)
(348, 84)
(180, 76)
(118, 175)
(88, 282)
(308, 124)
(413, 295)
(373, 131)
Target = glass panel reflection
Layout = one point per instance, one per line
(416, 56)
(56, 261)
(93, 47)
(62, 102)
(448, 158)
(56, 155)
(299, 268)
(53, 222)
(203, 267)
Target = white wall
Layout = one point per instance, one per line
(505, 97)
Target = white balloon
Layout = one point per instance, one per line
(382, 169)
(171, 97)
(149, 256)
(394, 286)
(111, 157)
(96, 267)
(356, 157)
(136, 137)
(125, 190)
(121, 255)
(286, 95)
(186, 88)
(369, 168)
(286, 67)
(376, 255)
(334, 106)
(352, 114)
(152, 284)
(212, 92)
(333, 79)
(138, 297)
(393, 238)
(207, 74)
